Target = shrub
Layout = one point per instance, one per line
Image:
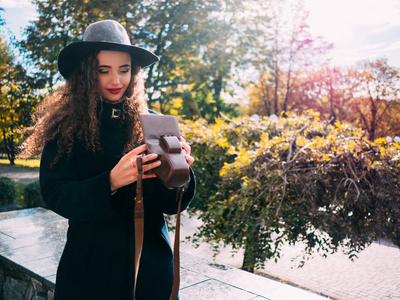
(292, 180)
(33, 196)
(7, 191)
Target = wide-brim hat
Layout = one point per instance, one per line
(103, 35)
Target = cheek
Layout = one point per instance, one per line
(102, 82)
(126, 79)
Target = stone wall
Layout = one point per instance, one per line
(17, 285)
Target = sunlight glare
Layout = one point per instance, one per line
(359, 29)
(338, 21)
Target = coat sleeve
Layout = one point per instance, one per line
(73, 197)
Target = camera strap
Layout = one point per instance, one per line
(139, 220)
(139, 231)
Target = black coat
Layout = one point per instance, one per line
(98, 258)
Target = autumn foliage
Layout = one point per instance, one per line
(366, 95)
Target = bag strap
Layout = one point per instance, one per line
(139, 231)
(139, 220)
(175, 285)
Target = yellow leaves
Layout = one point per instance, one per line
(314, 114)
(221, 141)
(338, 125)
(268, 143)
(380, 141)
(219, 123)
(396, 145)
(177, 104)
(245, 180)
(326, 157)
(223, 171)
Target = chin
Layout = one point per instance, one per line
(113, 97)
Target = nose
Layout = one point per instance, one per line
(115, 80)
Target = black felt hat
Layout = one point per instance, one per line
(103, 35)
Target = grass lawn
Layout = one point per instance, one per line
(29, 163)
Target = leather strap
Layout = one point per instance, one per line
(175, 285)
(139, 220)
(139, 231)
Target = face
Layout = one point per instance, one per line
(114, 74)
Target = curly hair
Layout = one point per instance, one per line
(71, 114)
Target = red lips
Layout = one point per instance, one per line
(114, 91)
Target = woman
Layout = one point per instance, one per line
(91, 136)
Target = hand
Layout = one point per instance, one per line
(187, 149)
(125, 172)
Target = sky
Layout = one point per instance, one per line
(17, 14)
(359, 29)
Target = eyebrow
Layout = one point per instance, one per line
(123, 66)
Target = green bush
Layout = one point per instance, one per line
(293, 180)
(32, 195)
(7, 191)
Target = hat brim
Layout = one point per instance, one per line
(70, 57)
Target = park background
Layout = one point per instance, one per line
(295, 141)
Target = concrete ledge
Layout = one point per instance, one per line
(32, 241)
(17, 282)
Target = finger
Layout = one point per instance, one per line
(149, 176)
(151, 166)
(137, 150)
(133, 161)
(189, 159)
(186, 147)
(149, 157)
(182, 139)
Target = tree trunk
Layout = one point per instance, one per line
(332, 117)
(8, 145)
(374, 112)
(276, 87)
(250, 251)
(248, 261)
(217, 86)
(150, 73)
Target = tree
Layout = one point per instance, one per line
(294, 180)
(62, 22)
(2, 22)
(366, 95)
(390, 125)
(291, 51)
(377, 91)
(185, 34)
(328, 90)
(17, 100)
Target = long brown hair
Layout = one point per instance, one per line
(71, 113)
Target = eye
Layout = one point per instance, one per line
(102, 71)
(125, 71)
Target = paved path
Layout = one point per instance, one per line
(19, 174)
(374, 275)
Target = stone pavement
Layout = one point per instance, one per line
(33, 240)
(375, 275)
